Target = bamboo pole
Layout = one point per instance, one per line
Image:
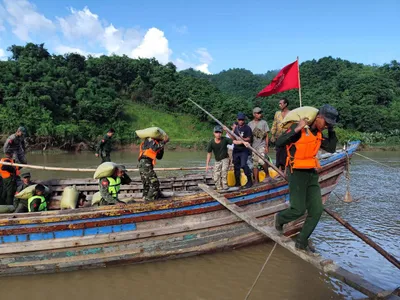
(298, 78)
(93, 170)
(379, 249)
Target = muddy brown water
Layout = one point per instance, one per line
(229, 275)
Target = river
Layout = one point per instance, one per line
(229, 275)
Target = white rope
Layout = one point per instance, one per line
(259, 274)
(375, 161)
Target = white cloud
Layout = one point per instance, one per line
(154, 44)
(203, 68)
(3, 55)
(81, 24)
(62, 49)
(200, 60)
(181, 29)
(25, 20)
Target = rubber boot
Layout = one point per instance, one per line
(237, 181)
(249, 182)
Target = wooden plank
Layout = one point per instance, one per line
(332, 269)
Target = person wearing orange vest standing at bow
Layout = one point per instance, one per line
(9, 177)
(302, 145)
(150, 150)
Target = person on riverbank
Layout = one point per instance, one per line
(38, 202)
(219, 146)
(302, 144)
(150, 150)
(21, 205)
(240, 151)
(277, 130)
(104, 147)
(260, 131)
(15, 144)
(9, 179)
(110, 186)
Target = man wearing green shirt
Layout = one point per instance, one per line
(218, 146)
(105, 145)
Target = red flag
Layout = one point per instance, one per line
(287, 79)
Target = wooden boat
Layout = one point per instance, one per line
(189, 222)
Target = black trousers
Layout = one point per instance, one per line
(240, 162)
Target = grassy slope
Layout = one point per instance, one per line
(183, 130)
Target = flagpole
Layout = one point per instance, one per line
(298, 72)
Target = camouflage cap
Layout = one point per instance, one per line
(329, 113)
(218, 128)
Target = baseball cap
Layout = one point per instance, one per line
(122, 168)
(241, 116)
(329, 113)
(27, 174)
(218, 128)
(257, 110)
(22, 129)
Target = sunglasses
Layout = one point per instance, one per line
(240, 119)
(259, 113)
(217, 131)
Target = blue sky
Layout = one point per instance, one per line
(209, 35)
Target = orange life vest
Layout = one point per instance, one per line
(6, 174)
(307, 148)
(150, 153)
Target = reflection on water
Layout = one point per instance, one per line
(229, 275)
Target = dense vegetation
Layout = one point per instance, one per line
(65, 99)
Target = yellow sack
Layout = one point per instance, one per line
(27, 192)
(69, 198)
(295, 115)
(232, 180)
(96, 198)
(272, 173)
(151, 132)
(106, 169)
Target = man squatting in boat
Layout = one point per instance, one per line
(110, 186)
(302, 145)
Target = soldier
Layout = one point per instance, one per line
(150, 150)
(21, 205)
(260, 131)
(38, 202)
(302, 145)
(104, 147)
(110, 186)
(15, 144)
(9, 175)
(218, 145)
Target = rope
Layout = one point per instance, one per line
(375, 161)
(259, 274)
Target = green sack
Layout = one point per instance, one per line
(151, 132)
(96, 198)
(295, 115)
(27, 192)
(106, 169)
(69, 198)
(6, 209)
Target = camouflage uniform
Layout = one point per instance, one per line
(151, 185)
(220, 174)
(21, 205)
(106, 197)
(104, 148)
(16, 145)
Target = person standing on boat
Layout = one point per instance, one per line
(219, 146)
(302, 145)
(15, 144)
(105, 146)
(150, 150)
(260, 131)
(277, 130)
(240, 151)
(110, 186)
(9, 177)
(38, 202)
(21, 205)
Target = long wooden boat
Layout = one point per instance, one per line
(189, 222)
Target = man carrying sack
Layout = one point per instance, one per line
(302, 145)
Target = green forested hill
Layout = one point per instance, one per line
(63, 100)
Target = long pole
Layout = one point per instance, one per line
(92, 170)
(298, 78)
(240, 138)
(379, 249)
